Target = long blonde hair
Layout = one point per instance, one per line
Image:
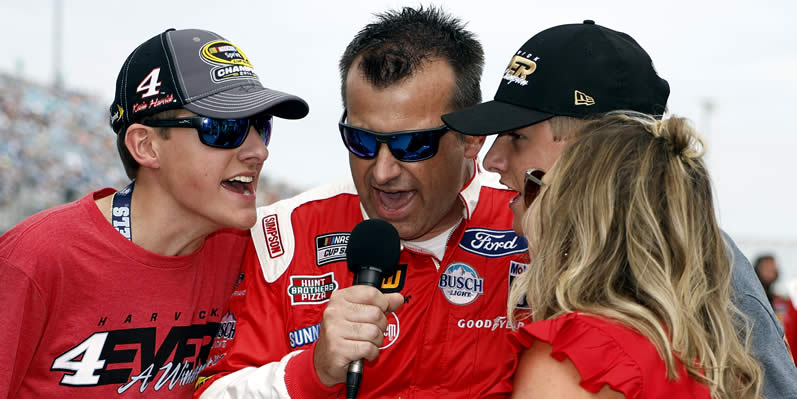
(626, 229)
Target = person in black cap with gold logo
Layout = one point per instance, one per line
(553, 85)
(119, 293)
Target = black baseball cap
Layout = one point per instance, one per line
(197, 70)
(576, 70)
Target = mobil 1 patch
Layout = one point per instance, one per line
(331, 248)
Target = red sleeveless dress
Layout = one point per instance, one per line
(606, 352)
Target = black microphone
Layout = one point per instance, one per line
(372, 252)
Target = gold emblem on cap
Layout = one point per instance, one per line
(583, 98)
(521, 67)
(224, 52)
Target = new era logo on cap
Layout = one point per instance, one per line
(576, 70)
(582, 99)
(197, 70)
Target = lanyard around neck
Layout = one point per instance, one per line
(120, 213)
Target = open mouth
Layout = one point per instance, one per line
(514, 199)
(393, 200)
(240, 185)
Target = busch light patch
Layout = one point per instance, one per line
(515, 268)
(311, 290)
(226, 331)
(492, 243)
(461, 284)
(304, 336)
(331, 248)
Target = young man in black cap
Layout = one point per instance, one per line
(563, 76)
(120, 293)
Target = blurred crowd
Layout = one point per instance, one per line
(56, 147)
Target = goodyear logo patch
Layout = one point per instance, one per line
(461, 284)
(310, 290)
(304, 336)
(232, 62)
(331, 247)
(492, 243)
(515, 268)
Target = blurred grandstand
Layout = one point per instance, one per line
(57, 146)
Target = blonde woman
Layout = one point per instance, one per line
(629, 284)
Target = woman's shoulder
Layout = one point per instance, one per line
(598, 348)
(606, 352)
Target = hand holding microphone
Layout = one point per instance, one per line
(354, 321)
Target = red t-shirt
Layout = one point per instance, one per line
(607, 352)
(88, 314)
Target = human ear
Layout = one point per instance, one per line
(139, 141)
(473, 144)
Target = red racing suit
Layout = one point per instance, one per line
(447, 340)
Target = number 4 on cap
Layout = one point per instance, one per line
(150, 84)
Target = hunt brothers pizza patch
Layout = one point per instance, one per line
(311, 290)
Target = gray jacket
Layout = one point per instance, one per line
(780, 374)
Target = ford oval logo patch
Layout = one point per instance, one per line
(492, 243)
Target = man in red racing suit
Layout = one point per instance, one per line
(438, 329)
(447, 340)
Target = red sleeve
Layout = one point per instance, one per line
(302, 385)
(790, 325)
(23, 315)
(254, 333)
(596, 356)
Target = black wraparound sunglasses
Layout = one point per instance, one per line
(220, 133)
(406, 146)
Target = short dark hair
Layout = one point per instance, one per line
(760, 259)
(401, 41)
(128, 162)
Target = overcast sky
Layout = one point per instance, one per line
(740, 56)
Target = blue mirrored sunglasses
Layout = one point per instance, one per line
(406, 146)
(220, 133)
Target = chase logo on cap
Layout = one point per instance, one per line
(520, 66)
(234, 63)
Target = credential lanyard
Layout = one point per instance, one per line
(120, 214)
